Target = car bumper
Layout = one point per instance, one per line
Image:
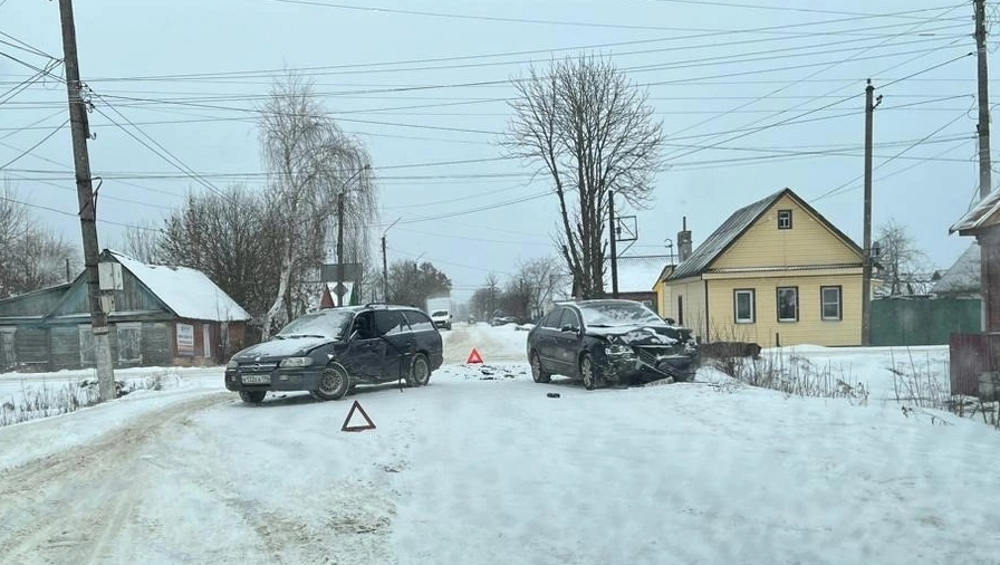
(442, 323)
(279, 380)
(630, 367)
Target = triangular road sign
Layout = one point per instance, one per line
(369, 426)
(474, 357)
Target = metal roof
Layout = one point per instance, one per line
(982, 214)
(724, 236)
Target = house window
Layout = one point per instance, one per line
(784, 219)
(129, 342)
(680, 310)
(831, 303)
(86, 345)
(788, 304)
(745, 305)
(8, 353)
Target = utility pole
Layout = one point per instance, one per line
(85, 199)
(340, 249)
(614, 243)
(866, 281)
(985, 184)
(985, 167)
(385, 273)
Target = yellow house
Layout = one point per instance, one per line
(775, 273)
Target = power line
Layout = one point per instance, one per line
(74, 215)
(33, 147)
(791, 9)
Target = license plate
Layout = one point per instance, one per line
(256, 379)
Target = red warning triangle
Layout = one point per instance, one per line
(474, 357)
(369, 426)
(326, 301)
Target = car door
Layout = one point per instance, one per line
(425, 337)
(395, 332)
(542, 339)
(365, 350)
(566, 341)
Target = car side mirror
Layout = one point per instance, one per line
(670, 321)
(570, 329)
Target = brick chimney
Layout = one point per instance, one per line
(684, 242)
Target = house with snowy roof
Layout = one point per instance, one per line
(157, 315)
(776, 272)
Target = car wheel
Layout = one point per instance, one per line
(590, 373)
(537, 373)
(253, 396)
(420, 371)
(333, 383)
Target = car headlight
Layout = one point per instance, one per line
(296, 362)
(618, 349)
(233, 364)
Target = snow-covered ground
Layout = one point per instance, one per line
(483, 467)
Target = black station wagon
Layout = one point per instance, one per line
(329, 352)
(603, 342)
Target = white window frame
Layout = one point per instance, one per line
(777, 296)
(781, 226)
(206, 341)
(753, 305)
(129, 327)
(823, 303)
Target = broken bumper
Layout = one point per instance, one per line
(277, 379)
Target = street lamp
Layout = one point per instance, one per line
(340, 234)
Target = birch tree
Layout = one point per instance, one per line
(310, 161)
(591, 130)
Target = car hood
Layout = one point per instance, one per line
(282, 348)
(642, 334)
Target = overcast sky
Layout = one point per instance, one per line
(710, 68)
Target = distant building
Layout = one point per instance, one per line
(638, 278)
(158, 315)
(962, 279)
(775, 272)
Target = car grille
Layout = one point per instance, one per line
(258, 367)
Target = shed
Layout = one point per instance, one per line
(157, 315)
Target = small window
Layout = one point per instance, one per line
(87, 356)
(784, 219)
(418, 321)
(788, 304)
(680, 310)
(745, 305)
(389, 322)
(129, 343)
(832, 305)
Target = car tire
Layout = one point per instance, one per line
(538, 374)
(253, 396)
(590, 373)
(419, 371)
(333, 383)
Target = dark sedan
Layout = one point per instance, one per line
(605, 342)
(329, 352)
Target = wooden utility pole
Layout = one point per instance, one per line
(385, 273)
(985, 184)
(866, 282)
(613, 236)
(85, 200)
(985, 166)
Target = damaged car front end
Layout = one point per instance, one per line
(647, 353)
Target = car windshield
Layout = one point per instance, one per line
(610, 314)
(329, 324)
(440, 313)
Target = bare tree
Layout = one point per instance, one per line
(901, 262)
(591, 130)
(142, 242)
(412, 283)
(310, 161)
(31, 256)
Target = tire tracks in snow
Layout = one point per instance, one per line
(75, 505)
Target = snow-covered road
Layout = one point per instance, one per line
(483, 467)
